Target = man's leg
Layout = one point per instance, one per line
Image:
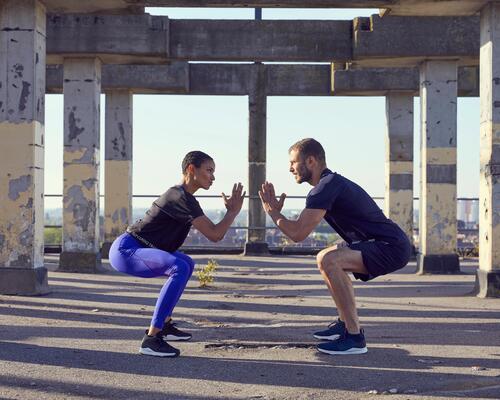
(335, 265)
(326, 278)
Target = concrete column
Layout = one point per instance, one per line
(82, 89)
(257, 105)
(22, 103)
(488, 275)
(438, 184)
(399, 161)
(117, 166)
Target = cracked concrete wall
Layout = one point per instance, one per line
(438, 189)
(383, 81)
(489, 188)
(22, 90)
(21, 195)
(394, 41)
(118, 163)
(257, 114)
(399, 161)
(82, 88)
(147, 37)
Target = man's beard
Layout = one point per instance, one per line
(304, 174)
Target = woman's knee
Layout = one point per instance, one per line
(191, 263)
(183, 268)
(188, 260)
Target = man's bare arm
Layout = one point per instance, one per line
(296, 230)
(299, 229)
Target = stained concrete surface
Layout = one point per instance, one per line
(428, 337)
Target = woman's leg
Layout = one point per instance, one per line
(186, 258)
(128, 256)
(190, 262)
(148, 263)
(178, 272)
(178, 276)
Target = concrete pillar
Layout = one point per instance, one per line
(117, 166)
(257, 105)
(22, 103)
(438, 184)
(82, 90)
(488, 275)
(399, 161)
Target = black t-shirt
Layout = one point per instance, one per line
(351, 212)
(167, 223)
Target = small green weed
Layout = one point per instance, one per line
(205, 274)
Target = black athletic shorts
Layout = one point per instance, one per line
(382, 258)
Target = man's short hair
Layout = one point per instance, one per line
(309, 147)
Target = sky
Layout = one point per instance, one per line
(351, 129)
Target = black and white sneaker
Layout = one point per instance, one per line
(156, 346)
(171, 333)
(335, 330)
(346, 344)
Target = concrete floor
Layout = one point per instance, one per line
(428, 338)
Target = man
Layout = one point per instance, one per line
(375, 245)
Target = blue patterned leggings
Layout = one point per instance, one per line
(129, 256)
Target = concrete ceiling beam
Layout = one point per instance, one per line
(116, 39)
(127, 39)
(393, 7)
(381, 81)
(377, 42)
(270, 3)
(407, 41)
(281, 80)
(140, 79)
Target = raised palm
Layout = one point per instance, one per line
(268, 198)
(235, 201)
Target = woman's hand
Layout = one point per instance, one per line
(235, 202)
(268, 198)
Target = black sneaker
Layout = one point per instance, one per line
(346, 344)
(171, 333)
(156, 346)
(335, 330)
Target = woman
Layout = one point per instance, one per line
(149, 247)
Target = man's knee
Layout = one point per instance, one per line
(319, 259)
(328, 260)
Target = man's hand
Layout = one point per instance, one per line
(268, 198)
(234, 203)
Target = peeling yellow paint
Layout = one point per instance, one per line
(75, 155)
(19, 142)
(440, 155)
(398, 204)
(489, 198)
(438, 219)
(399, 167)
(21, 209)
(489, 190)
(72, 155)
(489, 137)
(118, 197)
(75, 174)
(399, 208)
(489, 225)
(81, 205)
